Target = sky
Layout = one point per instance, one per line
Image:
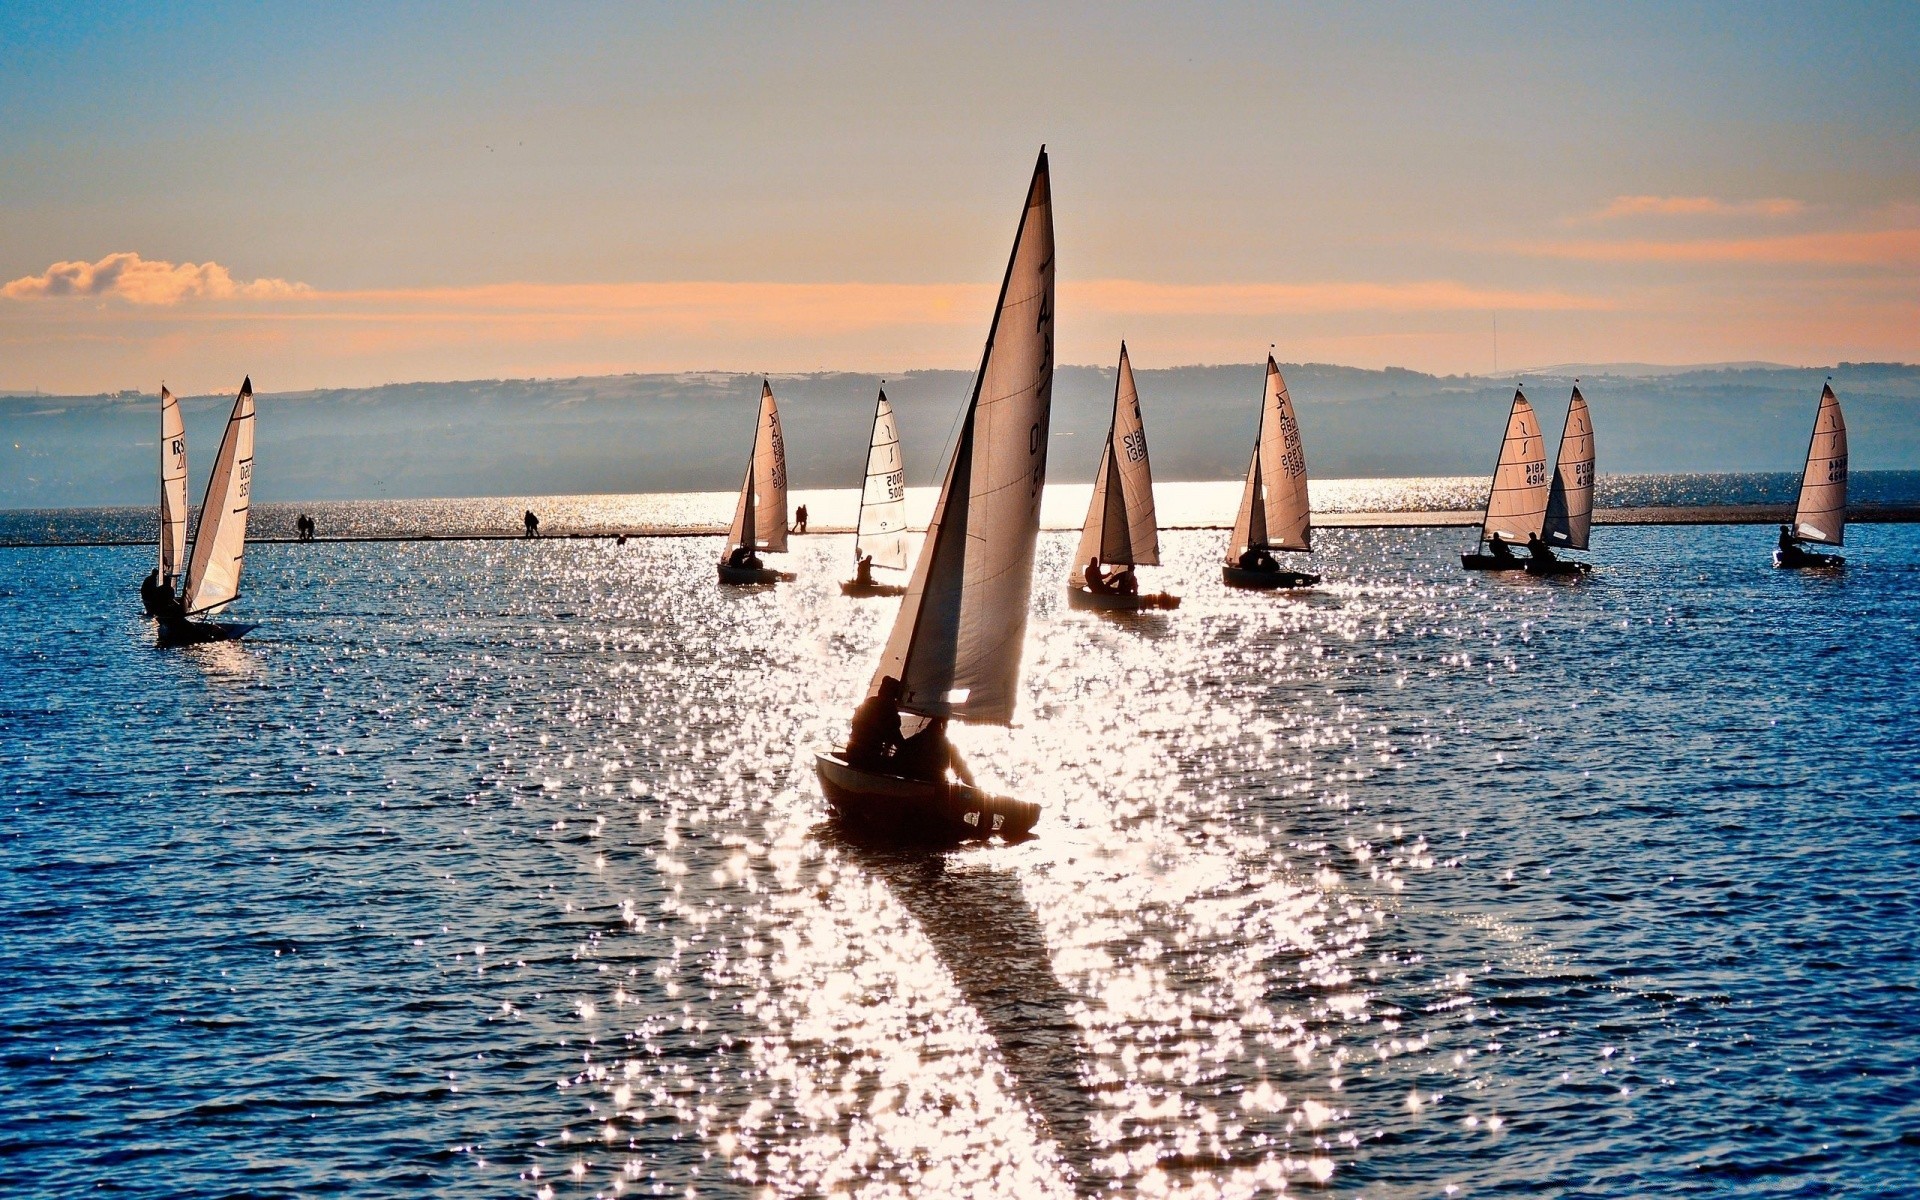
(347, 195)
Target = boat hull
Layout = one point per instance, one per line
(1490, 562)
(1558, 567)
(1803, 561)
(853, 587)
(1079, 597)
(886, 807)
(199, 633)
(751, 576)
(1240, 577)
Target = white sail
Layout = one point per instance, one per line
(956, 644)
(1821, 515)
(1569, 516)
(220, 543)
(1517, 505)
(1120, 525)
(1274, 511)
(760, 516)
(173, 488)
(882, 529)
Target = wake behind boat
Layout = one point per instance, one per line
(1120, 528)
(220, 542)
(1274, 510)
(760, 516)
(1820, 515)
(880, 535)
(955, 648)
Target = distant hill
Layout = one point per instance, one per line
(631, 433)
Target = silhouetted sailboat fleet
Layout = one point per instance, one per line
(955, 648)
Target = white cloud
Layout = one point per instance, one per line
(142, 281)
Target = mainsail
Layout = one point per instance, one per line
(1570, 500)
(882, 529)
(1517, 505)
(220, 543)
(1120, 525)
(760, 518)
(1274, 511)
(173, 488)
(1821, 515)
(956, 644)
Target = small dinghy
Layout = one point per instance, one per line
(1517, 501)
(880, 535)
(954, 652)
(173, 506)
(1821, 514)
(760, 516)
(1569, 518)
(220, 542)
(1120, 528)
(1275, 513)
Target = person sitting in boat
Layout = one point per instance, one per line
(928, 755)
(874, 739)
(1257, 558)
(744, 558)
(1096, 579)
(1538, 551)
(863, 570)
(1124, 582)
(154, 593)
(1497, 546)
(1790, 552)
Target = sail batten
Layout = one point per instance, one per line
(220, 542)
(760, 515)
(1517, 502)
(1275, 512)
(1569, 517)
(1821, 513)
(882, 529)
(173, 487)
(956, 644)
(1121, 526)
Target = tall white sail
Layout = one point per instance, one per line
(882, 529)
(1274, 511)
(760, 516)
(1821, 515)
(1120, 525)
(173, 488)
(220, 543)
(956, 644)
(1517, 505)
(1570, 499)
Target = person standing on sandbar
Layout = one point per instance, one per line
(533, 524)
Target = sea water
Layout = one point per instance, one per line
(499, 868)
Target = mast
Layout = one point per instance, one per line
(1569, 517)
(1517, 500)
(882, 528)
(1821, 514)
(956, 643)
(220, 543)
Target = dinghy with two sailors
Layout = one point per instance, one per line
(954, 653)
(1569, 517)
(219, 543)
(760, 516)
(1820, 515)
(1120, 530)
(1275, 513)
(880, 534)
(1517, 502)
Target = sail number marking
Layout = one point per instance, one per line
(1837, 469)
(1136, 445)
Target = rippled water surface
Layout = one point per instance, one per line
(499, 869)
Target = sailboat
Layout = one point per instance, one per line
(1821, 514)
(173, 505)
(880, 535)
(1120, 526)
(760, 517)
(1274, 510)
(1517, 502)
(955, 648)
(1569, 516)
(220, 541)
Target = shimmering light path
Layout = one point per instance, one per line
(495, 868)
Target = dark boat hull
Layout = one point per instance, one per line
(888, 808)
(1491, 562)
(751, 576)
(1079, 597)
(853, 587)
(199, 633)
(1558, 567)
(1239, 577)
(1803, 561)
